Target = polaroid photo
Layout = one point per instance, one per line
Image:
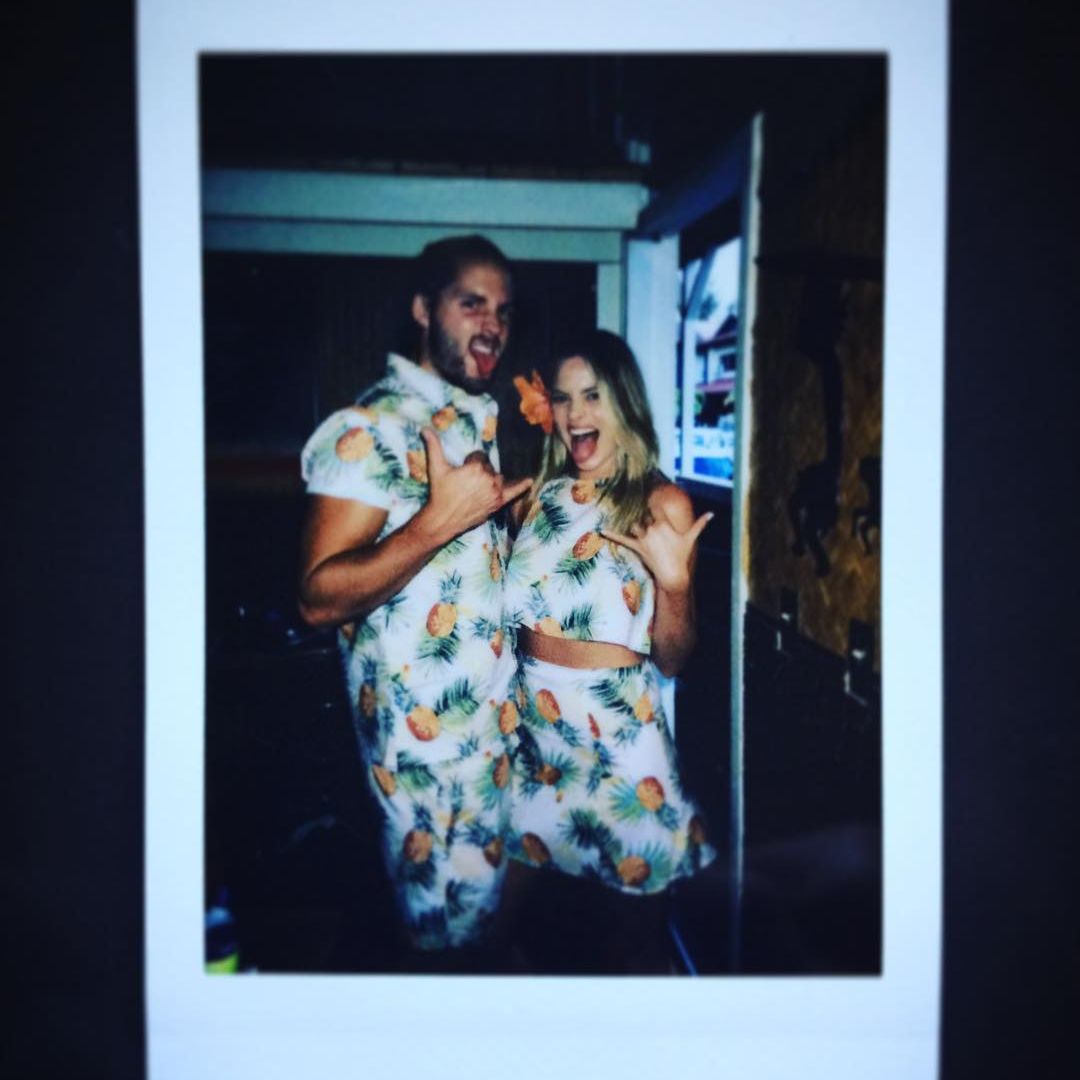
(754, 202)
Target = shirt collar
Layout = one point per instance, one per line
(434, 389)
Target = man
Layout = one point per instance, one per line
(402, 553)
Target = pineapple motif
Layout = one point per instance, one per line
(441, 619)
(497, 643)
(493, 851)
(348, 631)
(354, 445)
(367, 700)
(441, 641)
(441, 420)
(500, 772)
(549, 626)
(634, 870)
(594, 727)
(643, 710)
(417, 845)
(423, 723)
(535, 849)
(495, 568)
(548, 707)
(587, 545)
(491, 424)
(631, 594)
(548, 774)
(417, 462)
(508, 717)
(385, 779)
(650, 793)
(583, 491)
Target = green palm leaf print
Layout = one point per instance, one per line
(550, 523)
(439, 649)
(467, 425)
(484, 629)
(487, 791)
(601, 768)
(457, 703)
(568, 732)
(610, 693)
(390, 610)
(478, 834)
(388, 472)
(450, 586)
(577, 570)
(585, 830)
(624, 803)
(413, 774)
(381, 398)
(627, 732)
(577, 624)
(468, 747)
(448, 553)
(460, 896)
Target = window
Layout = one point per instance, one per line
(706, 364)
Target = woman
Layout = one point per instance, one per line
(600, 587)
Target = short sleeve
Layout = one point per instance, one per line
(349, 456)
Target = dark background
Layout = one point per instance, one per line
(73, 868)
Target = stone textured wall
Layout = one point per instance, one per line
(821, 245)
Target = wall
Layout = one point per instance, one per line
(818, 335)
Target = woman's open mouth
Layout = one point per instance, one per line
(583, 444)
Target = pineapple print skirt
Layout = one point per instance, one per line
(443, 841)
(596, 784)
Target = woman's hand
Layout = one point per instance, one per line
(666, 549)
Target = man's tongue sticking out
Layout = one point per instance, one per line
(484, 356)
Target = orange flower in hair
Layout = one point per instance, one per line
(535, 403)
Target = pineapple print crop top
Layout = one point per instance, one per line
(566, 580)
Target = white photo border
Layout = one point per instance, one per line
(748, 1027)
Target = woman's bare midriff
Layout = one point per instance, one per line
(576, 654)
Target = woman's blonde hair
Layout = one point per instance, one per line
(638, 453)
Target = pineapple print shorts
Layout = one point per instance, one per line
(443, 840)
(596, 784)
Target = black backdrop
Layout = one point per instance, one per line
(73, 766)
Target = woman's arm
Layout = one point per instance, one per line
(668, 548)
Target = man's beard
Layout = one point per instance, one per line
(450, 364)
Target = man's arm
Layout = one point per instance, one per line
(345, 573)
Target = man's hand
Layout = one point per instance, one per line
(462, 497)
(346, 572)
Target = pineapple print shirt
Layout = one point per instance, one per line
(566, 580)
(423, 669)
